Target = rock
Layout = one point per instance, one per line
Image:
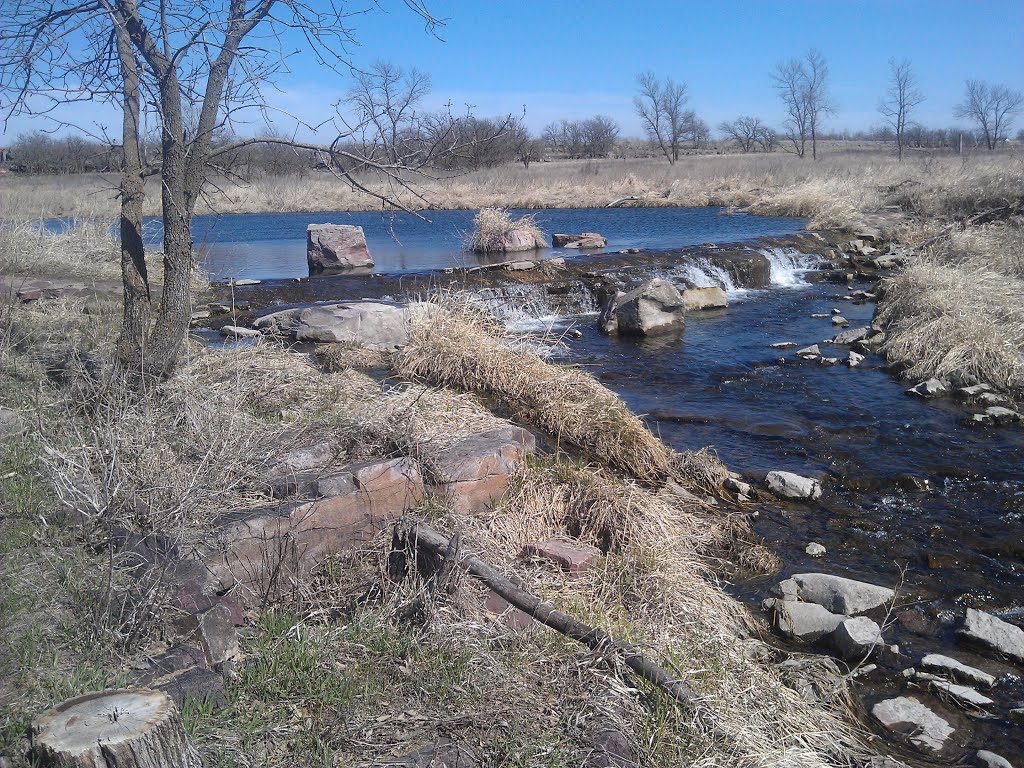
(1016, 715)
(196, 684)
(809, 353)
(475, 472)
(218, 635)
(237, 332)
(783, 345)
(854, 359)
(333, 247)
(814, 549)
(12, 424)
(284, 322)
(653, 308)
(936, 662)
(443, 753)
(973, 391)
(840, 320)
(820, 315)
(370, 324)
(986, 759)
(857, 638)
(828, 360)
(747, 268)
(994, 633)
(803, 621)
(584, 241)
(245, 281)
(520, 266)
(570, 557)
(961, 695)
(289, 465)
(999, 415)
(836, 593)
(696, 299)
(929, 388)
(851, 335)
(908, 715)
(738, 486)
(810, 676)
(200, 314)
(791, 486)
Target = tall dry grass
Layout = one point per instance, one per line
(494, 229)
(84, 248)
(834, 191)
(959, 308)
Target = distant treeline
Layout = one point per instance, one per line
(482, 142)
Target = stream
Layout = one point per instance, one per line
(914, 498)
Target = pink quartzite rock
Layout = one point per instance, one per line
(474, 473)
(336, 247)
(572, 558)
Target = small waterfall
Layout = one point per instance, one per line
(701, 273)
(788, 266)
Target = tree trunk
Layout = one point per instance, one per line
(133, 191)
(129, 728)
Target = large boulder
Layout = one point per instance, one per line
(520, 239)
(583, 241)
(803, 621)
(334, 247)
(653, 308)
(857, 638)
(991, 632)
(695, 299)
(908, 715)
(369, 324)
(835, 593)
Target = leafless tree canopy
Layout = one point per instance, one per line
(593, 137)
(660, 107)
(900, 99)
(749, 133)
(803, 88)
(991, 107)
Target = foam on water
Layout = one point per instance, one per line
(788, 266)
(703, 274)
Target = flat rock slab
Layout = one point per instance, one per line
(475, 472)
(260, 550)
(835, 593)
(369, 324)
(803, 621)
(994, 633)
(936, 662)
(961, 695)
(198, 685)
(696, 299)
(570, 557)
(906, 714)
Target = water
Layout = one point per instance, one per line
(267, 246)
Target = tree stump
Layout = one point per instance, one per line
(128, 728)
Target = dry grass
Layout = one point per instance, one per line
(959, 308)
(494, 229)
(833, 191)
(84, 249)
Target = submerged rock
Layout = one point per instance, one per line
(926, 729)
(655, 307)
(809, 353)
(855, 359)
(835, 593)
(791, 486)
(929, 388)
(961, 695)
(333, 247)
(994, 633)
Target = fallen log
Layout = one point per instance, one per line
(422, 535)
(129, 728)
(621, 200)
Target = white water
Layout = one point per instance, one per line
(703, 274)
(788, 266)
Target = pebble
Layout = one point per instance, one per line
(814, 549)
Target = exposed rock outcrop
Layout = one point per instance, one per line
(336, 247)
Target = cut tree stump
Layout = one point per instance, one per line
(128, 728)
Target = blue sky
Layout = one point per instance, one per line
(576, 59)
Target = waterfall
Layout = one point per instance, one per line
(702, 273)
(788, 266)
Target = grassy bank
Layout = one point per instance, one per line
(834, 191)
(327, 676)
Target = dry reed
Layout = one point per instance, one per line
(494, 230)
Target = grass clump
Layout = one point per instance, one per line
(85, 249)
(494, 230)
(959, 308)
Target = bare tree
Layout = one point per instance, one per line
(593, 137)
(803, 87)
(992, 107)
(900, 99)
(660, 109)
(744, 130)
(199, 65)
(385, 101)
